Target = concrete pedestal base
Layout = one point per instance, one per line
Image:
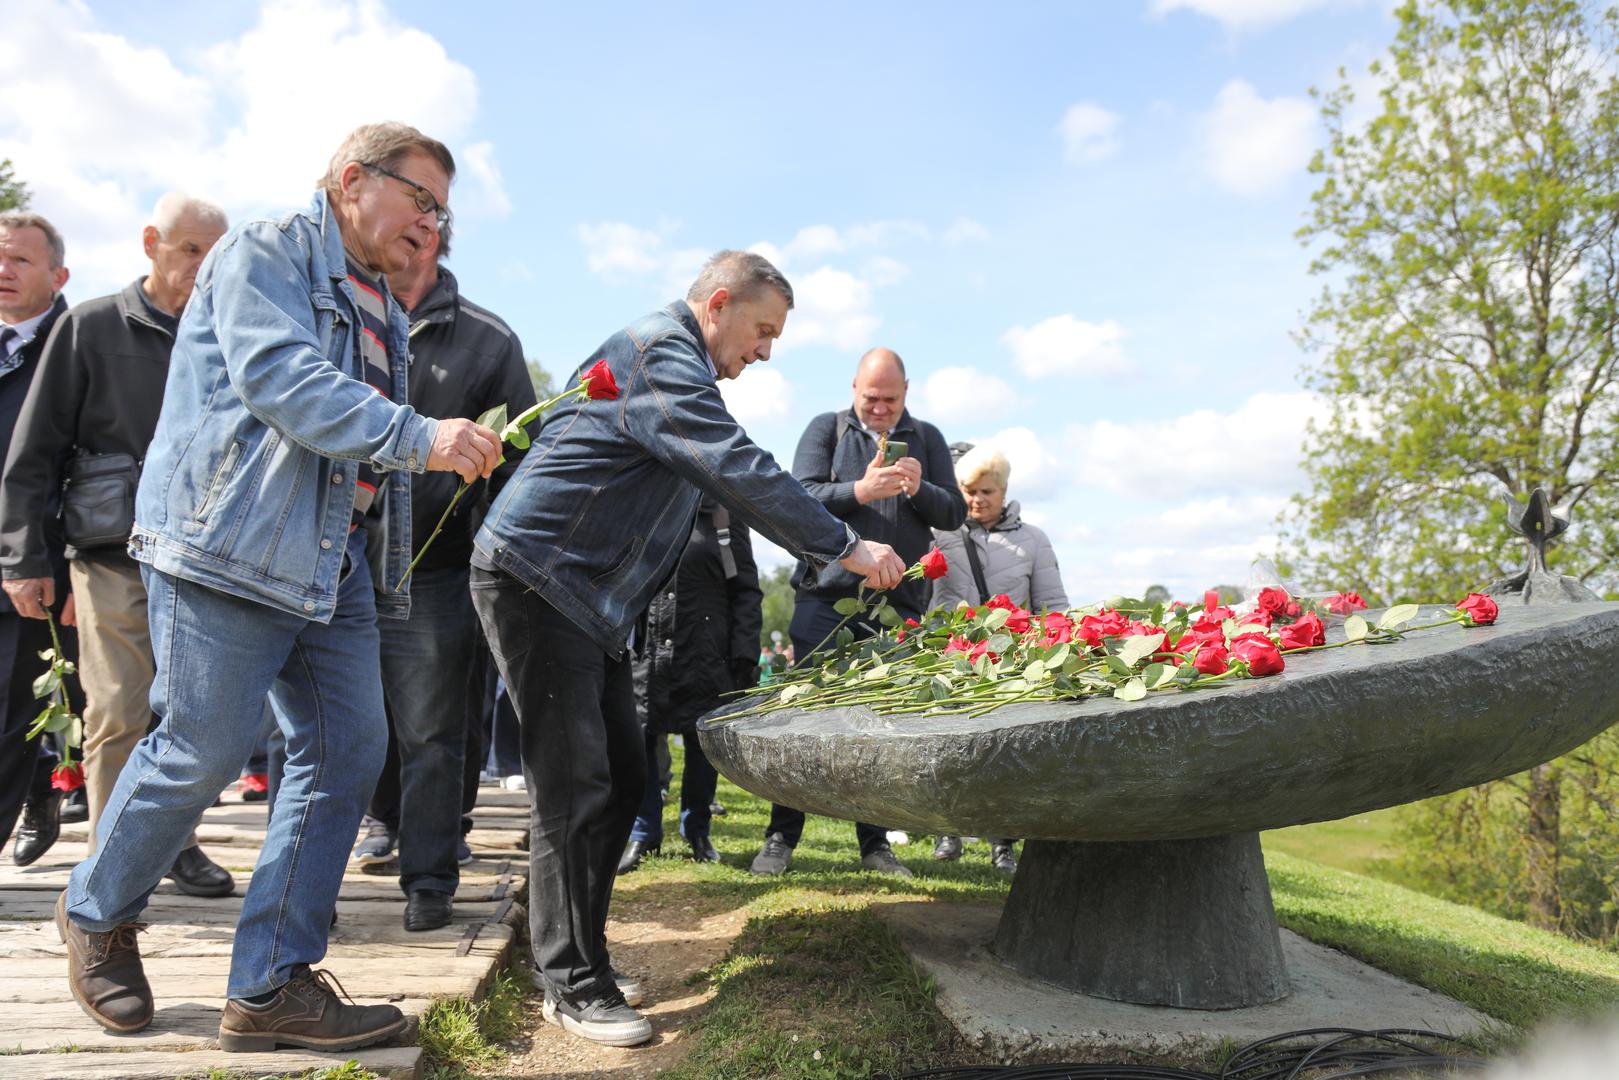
(1013, 1017)
(1183, 923)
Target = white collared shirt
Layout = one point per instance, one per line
(25, 331)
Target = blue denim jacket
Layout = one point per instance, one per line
(599, 511)
(248, 485)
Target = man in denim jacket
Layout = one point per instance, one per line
(571, 552)
(254, 561)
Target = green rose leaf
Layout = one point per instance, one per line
(997, 618)
(495, 418)
(1137, 648)
(1355, 628)
(1134, 690)
(1035, 672)
(792, 692)
(518, 438)
(848, 606)
(889, 617)
(46, 684)
(1397, 615)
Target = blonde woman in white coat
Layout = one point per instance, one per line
(995, 552)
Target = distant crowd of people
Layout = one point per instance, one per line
(217, 477)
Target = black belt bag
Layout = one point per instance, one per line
(98, 499)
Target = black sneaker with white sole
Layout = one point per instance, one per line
(605, 1018)
(629, 986)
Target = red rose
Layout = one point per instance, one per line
(67, 777)
(1304, 633)
(1018, 622)
(1343, 603)
(958, 644)
(1257, 618)
(1260, 653)
(1211, 600)
(1001, 601)
(933, 565)
(910, 624)
(599, 382)
(1273, 599)
(1481, 610)
(1292, 610)
(1212, 659)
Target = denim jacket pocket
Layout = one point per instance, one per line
(625, 556)
(222, 476)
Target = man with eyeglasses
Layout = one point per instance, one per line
(283, 416)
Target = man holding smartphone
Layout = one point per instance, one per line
(890, 476)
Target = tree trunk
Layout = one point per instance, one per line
(1545, 812)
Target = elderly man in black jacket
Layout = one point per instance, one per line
(698, 640)
(844, 460)
(87, 421)
(464, 360)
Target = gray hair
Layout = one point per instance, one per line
(174, 205)
(19, 219)
(385, 145)
(741, 273)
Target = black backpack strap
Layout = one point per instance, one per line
(976, 563)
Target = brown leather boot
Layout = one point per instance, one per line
(307, 1012)
(106, 974)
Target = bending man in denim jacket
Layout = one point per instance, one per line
(283, 413)
(572, 551)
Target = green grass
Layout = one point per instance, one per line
(1364, 843)
(459, 1038)
(1510, 971)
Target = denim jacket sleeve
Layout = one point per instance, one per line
(673, 408)
(273, 341)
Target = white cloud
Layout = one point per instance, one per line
(1253, 450)
(881, 270)
(1037, 471)
(249, 122)
(1244, 14)
(1087, 132)
(615, 250)
(833, 307)
(955, 395)
(1254, 146)
(759, 395)
(962, 230)
(1064, 344)
(818, 241)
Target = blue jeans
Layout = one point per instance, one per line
(698, 782)
(427, 681)
(217, 657)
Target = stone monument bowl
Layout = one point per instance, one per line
(1142, 878)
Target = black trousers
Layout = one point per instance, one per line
(24, 773)
(813, 620)
(585, 762)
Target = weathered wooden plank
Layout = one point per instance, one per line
(40, 905)
(181, 1025)
(479, 887)
(396, 1063)
(209, 987)
(391, 939)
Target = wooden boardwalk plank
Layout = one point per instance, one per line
(187, 948)
(396, 1063)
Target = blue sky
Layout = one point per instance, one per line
(1074, 220)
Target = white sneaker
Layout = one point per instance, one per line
(514, 783)
(607, 1019)
(898, 837)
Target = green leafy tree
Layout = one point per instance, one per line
(778, 604)
(544, 385)
(1467, 341)
(1467, 337)
(14, 194)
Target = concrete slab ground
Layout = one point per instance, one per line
(1012, 1017)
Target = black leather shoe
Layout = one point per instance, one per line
(428, 909)
(41, 825)
(634, 852)
(702, 849)
(75, 807)
(198, 875)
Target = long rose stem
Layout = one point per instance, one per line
(442, 518)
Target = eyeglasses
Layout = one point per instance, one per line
(425, 200)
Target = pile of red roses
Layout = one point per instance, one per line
(975, 659)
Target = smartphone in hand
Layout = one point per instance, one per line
(894, 451)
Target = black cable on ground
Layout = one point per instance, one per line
(1312, 1054)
